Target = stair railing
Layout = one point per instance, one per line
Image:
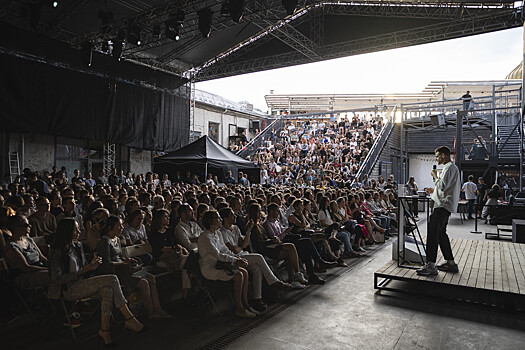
(377, 147)
(264, 135)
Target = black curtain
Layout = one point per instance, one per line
(45, 99)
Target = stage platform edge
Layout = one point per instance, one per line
(491, 273)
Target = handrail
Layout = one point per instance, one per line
(375, 151)
(254, 143)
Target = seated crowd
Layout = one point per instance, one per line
(318, 154)
(70, 236)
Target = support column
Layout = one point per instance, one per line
(522, 110)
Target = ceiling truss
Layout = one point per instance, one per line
(495, 20)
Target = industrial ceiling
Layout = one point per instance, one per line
(172, 36)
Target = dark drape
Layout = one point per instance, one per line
(44, 99)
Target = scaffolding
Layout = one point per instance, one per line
(498, 111)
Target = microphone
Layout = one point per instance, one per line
(434, 167)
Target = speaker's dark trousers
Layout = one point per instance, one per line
(437, 235)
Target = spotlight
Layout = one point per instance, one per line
(289, 6)
(205, 19)
(106, 17)
(54, 4)
(179, 17)
(105, 47)
(133, 34)
(117, 49)
(225, 9)
(236, 10)
(86, 53)
(156, 31)
(172, 29)
(174, 25)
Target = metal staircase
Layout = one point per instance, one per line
(377, 148)
(508, 141)
(265, 134)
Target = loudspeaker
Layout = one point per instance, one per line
(518, 231)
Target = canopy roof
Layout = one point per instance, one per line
(205, 151)
(268, 36)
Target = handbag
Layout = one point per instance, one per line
(131, 251)
(330, 229)
(230, 268)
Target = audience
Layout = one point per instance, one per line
(109, 249)
(305, 213)
(71, 279)
(211, 251)
(28, 264)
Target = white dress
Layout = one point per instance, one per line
(212, 249)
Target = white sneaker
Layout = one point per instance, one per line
(361, 249)
(299, 277)
(296, 285)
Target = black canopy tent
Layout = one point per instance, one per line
(205, 156)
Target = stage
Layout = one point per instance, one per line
(491, 273)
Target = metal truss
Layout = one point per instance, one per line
(317, 26)
(296, 40)
(495, 20)
(257, 13)
(461, 19)
(109, 157)
(455, 10)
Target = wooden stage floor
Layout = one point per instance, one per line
(487, 269)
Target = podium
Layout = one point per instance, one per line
(410, 247)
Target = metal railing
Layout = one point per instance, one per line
(483, 106)
(261, 137)
(377, 147)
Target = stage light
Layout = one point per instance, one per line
(205, 20)
(106, 17)
(133, 34)
(289, 6)
(174, 26)
(236, 10)
(225, 9)
(86, 53)
(54, 4)
(105, 47)
(156, 31)
(172, 29)
(117, 49)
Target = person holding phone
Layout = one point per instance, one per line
(72, 279)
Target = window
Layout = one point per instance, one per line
(213, 131)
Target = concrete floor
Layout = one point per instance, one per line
(345, 313)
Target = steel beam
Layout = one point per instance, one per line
(496, 20)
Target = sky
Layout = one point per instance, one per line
(481, 57)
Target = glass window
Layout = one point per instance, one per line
(213, 131)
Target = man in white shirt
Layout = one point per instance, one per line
(187, 231)
(470, 189)
(446, 197)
